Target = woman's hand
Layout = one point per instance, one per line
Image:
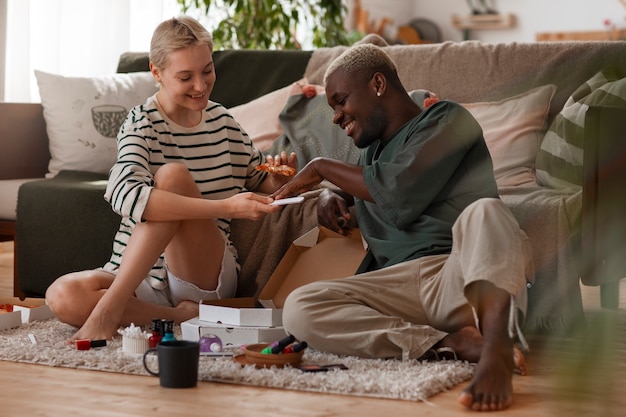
(282, 159)
(333, 212)
(274, 181)
(249, 206)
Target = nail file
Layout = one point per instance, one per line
(285, 201)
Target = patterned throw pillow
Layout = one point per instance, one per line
(559, 161)
(83, 115)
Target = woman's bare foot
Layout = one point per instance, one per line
(103, 326)
(97, 327)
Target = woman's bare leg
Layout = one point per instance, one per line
(72, 297)
(194, 251)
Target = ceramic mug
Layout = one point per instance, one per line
(178, 363)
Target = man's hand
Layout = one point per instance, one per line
(333, 213)
(303, 181)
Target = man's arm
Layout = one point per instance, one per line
(347, 177)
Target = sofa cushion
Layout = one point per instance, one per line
(83, 116)
(560, 157)
(8, 202)
(309, 131)
(513, 129)
(259, 117)
(64, 225)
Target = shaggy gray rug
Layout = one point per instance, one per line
(43, 343)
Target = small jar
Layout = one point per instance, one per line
(210, 343)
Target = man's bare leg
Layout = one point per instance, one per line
(491, 388)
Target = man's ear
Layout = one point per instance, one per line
(379, 83)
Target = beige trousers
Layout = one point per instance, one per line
(402, 311)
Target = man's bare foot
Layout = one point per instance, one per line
(467, 343)
(520, 362)
(491, 388)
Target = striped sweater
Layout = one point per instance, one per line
(218, 153)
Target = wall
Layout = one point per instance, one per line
(532, 16)
(3, 36)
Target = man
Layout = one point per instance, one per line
(447, 263)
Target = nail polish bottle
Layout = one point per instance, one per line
(168, 332)
(156, 336)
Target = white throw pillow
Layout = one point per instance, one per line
(83, 116)
(513, 129)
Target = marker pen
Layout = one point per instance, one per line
(282, 344)
(269, 347)
(295, 347)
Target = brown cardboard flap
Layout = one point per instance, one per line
(325, 255)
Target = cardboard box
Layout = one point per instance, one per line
(241, 316)
(30, 314)
(319, 254)
(10, 320)
(24, 314)
(195, 328)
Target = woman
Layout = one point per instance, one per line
(182, 165)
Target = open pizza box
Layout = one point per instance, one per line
(20, 314)
(239, 312)
(319, 254)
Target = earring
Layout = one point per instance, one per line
(378, 94)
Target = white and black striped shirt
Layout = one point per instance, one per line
(218, 153)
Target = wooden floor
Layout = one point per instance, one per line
(579, 376)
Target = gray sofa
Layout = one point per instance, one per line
(63, 224)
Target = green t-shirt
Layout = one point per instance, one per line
(421, 180)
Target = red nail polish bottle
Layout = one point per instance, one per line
(156, 336)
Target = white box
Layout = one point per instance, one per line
(30, 314)
(195, 328)
(10, 320)
(241, 316)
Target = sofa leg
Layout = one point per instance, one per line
(609, 295)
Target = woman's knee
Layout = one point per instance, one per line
(175, 177)
(70, 297)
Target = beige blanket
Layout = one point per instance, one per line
(551, 219)
(262, 244)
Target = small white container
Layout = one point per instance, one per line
(134, 340)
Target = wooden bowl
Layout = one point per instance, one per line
(253, 356)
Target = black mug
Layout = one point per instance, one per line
(178, 363)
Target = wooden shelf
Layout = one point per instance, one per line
(481, 22)
(598, 35)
